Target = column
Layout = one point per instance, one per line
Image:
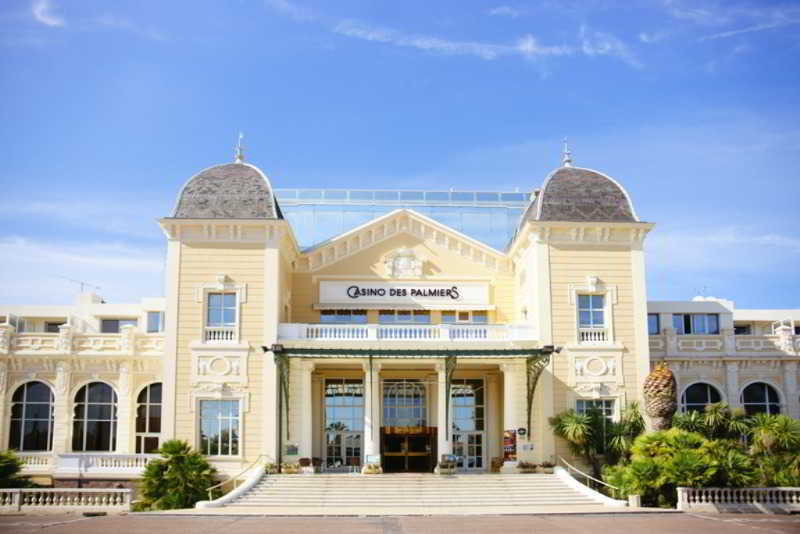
(790, 392)
(509, 410)
(61, 409)
(372, 408)
(732, 383)
(444, 445)
(124, 420)
(302, 408)
(4, 384)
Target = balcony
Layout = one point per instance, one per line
(220, 334)
(406, 332)
(593, 336)
(129, 342)
(671, 344)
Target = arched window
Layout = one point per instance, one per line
(32, 418)
(148, 419)
(760, 398)
(698, 396)
(94, 427)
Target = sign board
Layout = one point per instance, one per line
(521, 432)
(373, 459)
(510, 446)
(291, 449)
(426, 295)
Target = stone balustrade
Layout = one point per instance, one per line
(738, 499)
(57, 500)
(405, 332)
(126, 343)
(106, 465)
(593, 335)
(679, 345)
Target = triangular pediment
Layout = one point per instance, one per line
(396, 223)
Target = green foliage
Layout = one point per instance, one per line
(178, 480)
(10, 466)
(596, 440)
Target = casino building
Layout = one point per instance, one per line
(349, 326)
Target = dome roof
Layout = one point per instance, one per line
(575, 194)
(228, 191)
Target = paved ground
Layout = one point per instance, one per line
(594, 524)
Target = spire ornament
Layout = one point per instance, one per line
(566, 158)
(239, 152)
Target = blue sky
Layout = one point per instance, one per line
(108, 107)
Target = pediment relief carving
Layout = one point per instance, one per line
(403, 263)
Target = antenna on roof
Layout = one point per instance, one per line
(566, 159)
(239, 153)
(81, 282)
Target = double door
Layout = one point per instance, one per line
(468, 447)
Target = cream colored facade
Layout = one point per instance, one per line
(279, 296)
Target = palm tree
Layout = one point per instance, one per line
(178, 479)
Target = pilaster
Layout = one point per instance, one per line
(732, 383)
(444, 445)
(124, 410)
(170, 360)
(61, 409)
(272, 311)
(790, 389)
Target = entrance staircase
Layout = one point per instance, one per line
(410, 493)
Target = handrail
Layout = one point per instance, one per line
(215, 486)
(590, 477)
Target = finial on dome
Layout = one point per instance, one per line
(566, 159)
(239, 153)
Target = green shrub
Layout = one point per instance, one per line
(10, 466)
(177, 480)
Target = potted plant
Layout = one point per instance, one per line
(270, 468)
(526, 467)
(547, 467)
(290, 468)
(371, 469)
(447, 465)
(305, 466)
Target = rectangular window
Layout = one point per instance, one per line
(221, 310)
(797, 330)
(52, 328)
(696, 323)
(404, 317)
(474, 317)
(653, 324)
(343, 317)
(155, 322)
(743, 330)
(219, 427)
(114, 326)
(605, 406)
(591, 311)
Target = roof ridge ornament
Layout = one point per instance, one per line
(239, 152)
(566, 158)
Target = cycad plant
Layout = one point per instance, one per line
(177, 480)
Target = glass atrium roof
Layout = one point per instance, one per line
(317, 215)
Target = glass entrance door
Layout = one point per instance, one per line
(468, 403)
(344, 423)
(406, 440)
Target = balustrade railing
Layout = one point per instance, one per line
(715, 498)
(220, 334)
(406, 332)
(593, 335)
(36, 461)
(93, 463)
(55, 499)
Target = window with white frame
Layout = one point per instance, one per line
(604, 406)
(343, 316)
(148, 419)
(760, 397)
(155, 322)
(404, 317)
(653, 324)
(221, 310)
(32, 418)
(698, 396)
(695, 323)
(94, 426)
(114, 326)
(219, 427)
(465, 316)
(591, 311)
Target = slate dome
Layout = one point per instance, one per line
(583, 195)
(228, 191)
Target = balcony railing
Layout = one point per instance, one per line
(593, 335)
(126, 343)
(85, 463)
(406, 332)
(669, 343)
(220, 334)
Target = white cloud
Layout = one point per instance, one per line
(652, 37)
(752, 29)
(299, 13)
(33, 271)
(115, 22)
(505, 11)
(42, 12)
(594, 43)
